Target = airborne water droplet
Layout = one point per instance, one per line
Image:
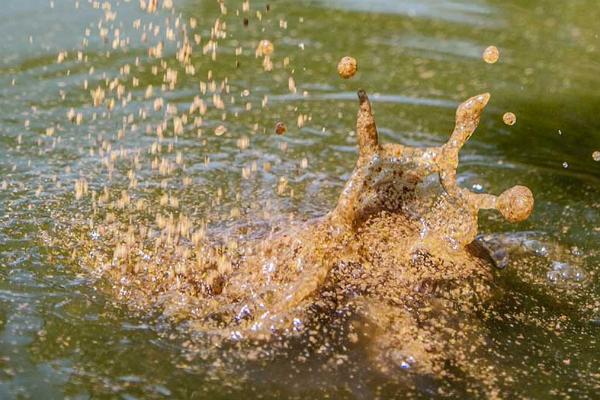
(265, 47)
(347, 67)
(220, 130)
(509, 118)
(280, 128)
(491, 54)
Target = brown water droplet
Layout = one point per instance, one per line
(491, 54)
(265, 47)
(220, 130)
(280, 128)
(347, 67)
(509, 118)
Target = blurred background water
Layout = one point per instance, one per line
(62, 337)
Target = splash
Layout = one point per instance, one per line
(388, 266)
(162, 178)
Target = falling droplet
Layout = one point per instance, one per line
(491, 54)
(265, 47)
(220, 130)
(347, 67)
(280, 128)
(509, 118)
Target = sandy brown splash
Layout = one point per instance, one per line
(395, 259)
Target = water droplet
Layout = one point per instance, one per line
(559, 266)
(491, 54)
(280, 128)
(347, 67)
(265, 47)
(509, 118)
(220, 130)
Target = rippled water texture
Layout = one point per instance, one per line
(63, 330)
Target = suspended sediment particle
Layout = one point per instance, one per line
(347, 67)
(596, 155)
(280, 128)
(509, 118)
(491, 54)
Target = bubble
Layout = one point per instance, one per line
(509, 118)
(578, 275)
(596, 155)
(280, 128)
(477, 188)
(491, 54)
(536, 246)
(347, 67)
(563, 272)
(553, 276)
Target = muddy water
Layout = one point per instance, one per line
(65, 334)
